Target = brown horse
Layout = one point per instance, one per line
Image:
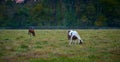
(31, 32)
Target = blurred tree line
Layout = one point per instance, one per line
(67, 13)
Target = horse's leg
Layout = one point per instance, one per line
(75, 42)
(70, 41)
(33, 33)
(30, 34)
(78, 41)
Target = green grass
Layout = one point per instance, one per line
(52, 46)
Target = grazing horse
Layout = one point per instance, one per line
(73, 35)
(31, 32)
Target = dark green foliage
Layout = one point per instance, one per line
(67, 13)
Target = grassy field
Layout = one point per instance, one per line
(52, 46)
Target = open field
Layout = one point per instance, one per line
(52, 46)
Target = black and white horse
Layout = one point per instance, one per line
(72, 36)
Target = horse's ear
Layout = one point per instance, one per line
(68, 31)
